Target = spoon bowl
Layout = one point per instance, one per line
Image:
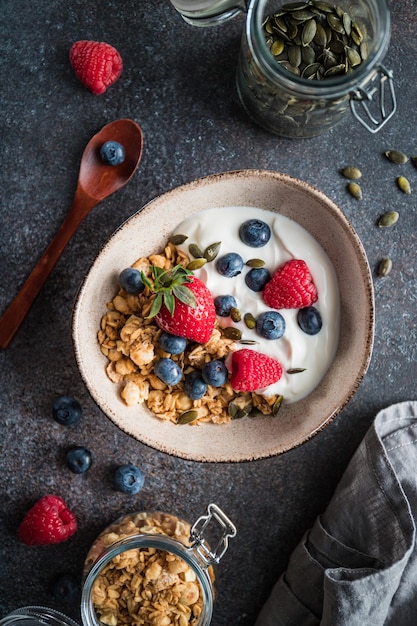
(99, 180)
(96, 181)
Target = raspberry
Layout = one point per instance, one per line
(96, 64)
(48, 521)
(291, 287)
(253, 370)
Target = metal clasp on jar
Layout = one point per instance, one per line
(199, 542)
(364, 97)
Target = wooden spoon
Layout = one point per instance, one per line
(96, 181)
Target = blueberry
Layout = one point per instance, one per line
(257, 278)
(131, 281)
(172, 343)
(270, 325)
(194, 385)
(224, 304)
(129, 479)
(79, 459)
(66, 411)
(65, 587)
(168, 371)
(230, 264)
(309, 320)
(112, 153)
(255, 233)
(214, 373)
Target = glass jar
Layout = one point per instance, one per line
(36, 616)
(208, 12)
(159, 566)
(302, 65)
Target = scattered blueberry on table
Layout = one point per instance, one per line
(129, 479)
(66, 411)
(79, 459)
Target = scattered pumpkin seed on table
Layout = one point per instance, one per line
(350, 172)
(396, 156)
(384, 267)
(355, 190)
(388, 219)
(404, 184)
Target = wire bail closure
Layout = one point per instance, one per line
(364, 97)
(198, 540)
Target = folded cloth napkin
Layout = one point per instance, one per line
(357, 566)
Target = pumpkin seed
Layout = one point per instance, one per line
(384, 267)
(177, 240)
(211, 252)
(355, 190)
(388, 219)
(249, 320)
(187, 417)
(195, 251)
(309, 31)
(296, 370)
(395, 156)
(237, 412)
(277, 405)
(403, 184)
(335, 23)
(294, 56)
(277, 47)
(196, 264)
(414, 160)
(255, 263)
(231, 332)
(248, 342)
(353, 173)
(235, 314)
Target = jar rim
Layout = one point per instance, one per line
(338, 85)
(37, 614)
(145, 540)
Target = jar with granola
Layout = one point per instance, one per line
(303, 64)
(154, 569)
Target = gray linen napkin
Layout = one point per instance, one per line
(357, 566)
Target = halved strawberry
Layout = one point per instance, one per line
(183, 305)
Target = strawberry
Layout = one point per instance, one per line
(291, 287)
(48, 521)
(253, 370)
(183, 305)
(97, 64)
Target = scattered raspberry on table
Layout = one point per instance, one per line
(48, 521)
(96, 63)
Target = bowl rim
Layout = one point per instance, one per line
(235, 175)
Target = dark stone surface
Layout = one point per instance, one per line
(179, 84)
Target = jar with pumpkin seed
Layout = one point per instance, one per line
(304, 64)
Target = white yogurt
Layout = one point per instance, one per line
(289, 240)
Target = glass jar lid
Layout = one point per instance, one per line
(36, 616)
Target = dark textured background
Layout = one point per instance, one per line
(179, 84)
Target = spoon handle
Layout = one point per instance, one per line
(14, 315)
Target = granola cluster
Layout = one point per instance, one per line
(130, 342)
(146, 586)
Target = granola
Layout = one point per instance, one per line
(146, 586)
(129, 340)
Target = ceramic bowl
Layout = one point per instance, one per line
(147, 231)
